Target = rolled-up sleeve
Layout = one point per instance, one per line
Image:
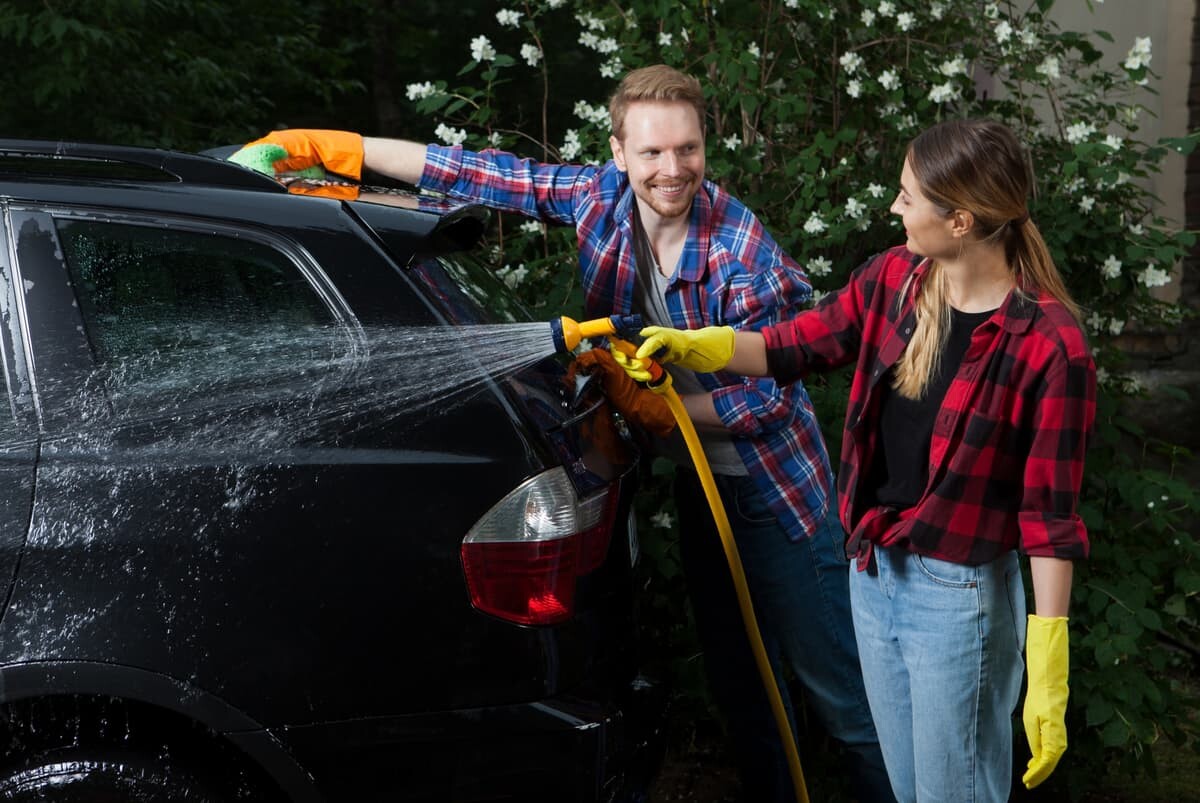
(547, 192)
(1066, 408)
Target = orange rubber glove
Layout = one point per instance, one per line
(636, 403)
(338, 151)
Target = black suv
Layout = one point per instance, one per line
(255, 543)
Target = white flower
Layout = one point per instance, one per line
(1004, 32)
(854, 88)
(814, 224)
(1028, 37)
(937, 10)
(875, 190)
(943, 92)
(1137, 230)
(753, 50)
(850, 62)
(887, 8)
(908, 121)
(1139, 55)
(904, 21)
(817, 295)
(571, 146)
(1116, 326)
(1049, 68)
(593, 114)
(590, 21)
(508, 18)
(513, 276)
(612, 68)
(792, 4)
(732, 142)
(552, 4)
(1102, 375)
(868, 17)
(482, 50)
(589, 39)
(1086, 203)
(991, 11)
(662, 519)
(1095, 321)
(889, 80)
(531, 227)
(1080, 131)
(1150, 505)
(607, 45)
(954, 66)
(819, 266)
(1154, 276)
(1074, 185)
(854, 208)
(664, 39)
(1114, 142)
(1111, 268)
(450, 136)
(531, 53)
(494, 139)
(421, 90)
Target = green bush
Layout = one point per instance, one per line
(811, 106)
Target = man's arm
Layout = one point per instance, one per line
(397, 158)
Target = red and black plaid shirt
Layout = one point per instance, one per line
(1006, 457)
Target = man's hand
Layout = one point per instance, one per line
(705, 350)
(1047, 659)
(642, 406)
(302, 148)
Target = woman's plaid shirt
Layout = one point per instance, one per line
(1006, 457)
(731, 273)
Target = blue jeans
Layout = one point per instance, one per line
(801, 600)
(941, 654)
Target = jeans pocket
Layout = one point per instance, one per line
(1014, 585)
(751, 505)
(945, 573)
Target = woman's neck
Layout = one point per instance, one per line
(979, 280)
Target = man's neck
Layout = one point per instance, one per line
(662, 231)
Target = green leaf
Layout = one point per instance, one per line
(1115, 734)
(1099, 711)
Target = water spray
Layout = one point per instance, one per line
(620, 330)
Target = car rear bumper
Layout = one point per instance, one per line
(558, 750)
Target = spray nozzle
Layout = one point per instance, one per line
(568, 333)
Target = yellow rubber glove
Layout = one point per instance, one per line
(1045, 714)
(705, 350)
(338, 151)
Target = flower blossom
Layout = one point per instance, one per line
(513, 276)
(1049, 68)
(1116, 326)
(422, 90)
(954, 66)
(482, 50)
(1111, 268)
(875, 190)
(854, 208)
(531, 53)
(1080, 131)
(868, 17)
(1114, 142)
(818, 266)
(814, 224)
(662, 519)
(850, 62)
(1154, 276)
(753, 50)
(531, 227)
(612, 68)
(887, 8)
(1086, 203)
(1004, 32)
(937, 10)
(1139, 55)
(450, 136)
(944, 92)
(732, 142)
(889, 80)
(508, 18)
(854, 88)
(905, 21)
(664, 39)
(571, 145)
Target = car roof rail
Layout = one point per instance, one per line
(60, 159)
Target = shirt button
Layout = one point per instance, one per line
(908, 330)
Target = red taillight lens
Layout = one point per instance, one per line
(521, 560)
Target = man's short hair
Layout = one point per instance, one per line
(656, 83)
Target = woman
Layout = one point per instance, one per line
(971, 402)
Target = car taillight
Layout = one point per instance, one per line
(521, 560)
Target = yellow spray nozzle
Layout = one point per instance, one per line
(569, 333)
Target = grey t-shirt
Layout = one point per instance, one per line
(650, 301)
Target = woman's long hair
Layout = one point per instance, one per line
(979, 166)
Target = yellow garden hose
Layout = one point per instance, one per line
(567, 334)
(688, 430)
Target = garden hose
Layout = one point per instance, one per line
(567, 334)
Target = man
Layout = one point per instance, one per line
(656, 237)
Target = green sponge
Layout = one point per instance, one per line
(262, 158)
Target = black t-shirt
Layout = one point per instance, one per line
(901, 470)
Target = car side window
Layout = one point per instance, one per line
(194, 314)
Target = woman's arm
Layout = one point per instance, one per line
(749, 355)
(1051, 585)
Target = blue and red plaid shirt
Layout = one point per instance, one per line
(731, 273)
(1006, 457)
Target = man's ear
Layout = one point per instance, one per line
(618, 153)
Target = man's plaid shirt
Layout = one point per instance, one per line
(1006, 457)
(730, 273)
